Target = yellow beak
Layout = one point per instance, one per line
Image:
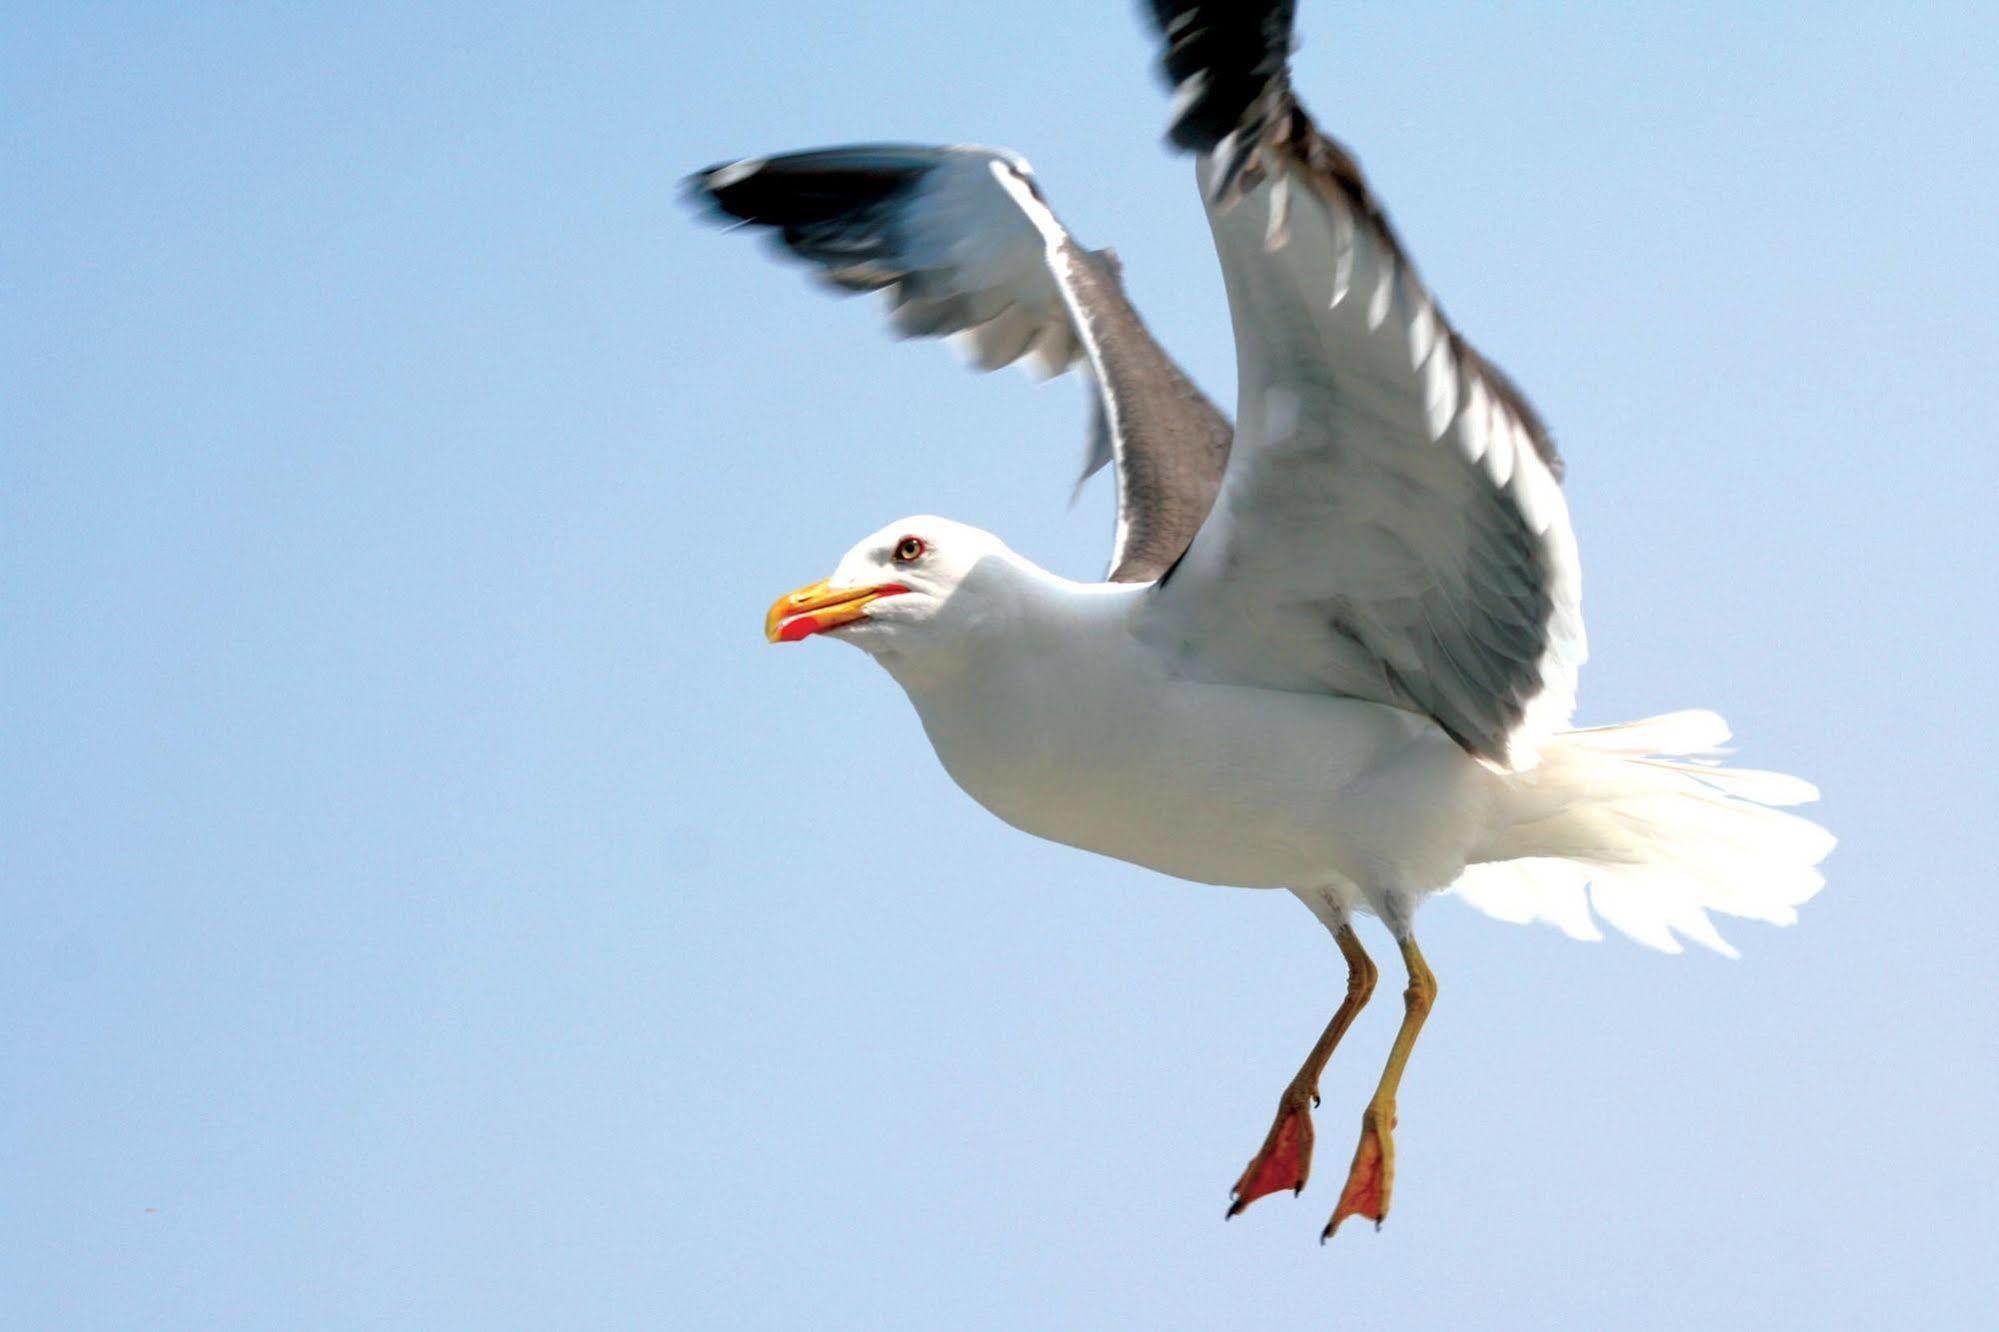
(817, 608)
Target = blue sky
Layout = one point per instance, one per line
(429, 903)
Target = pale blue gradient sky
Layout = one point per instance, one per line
(425, 901)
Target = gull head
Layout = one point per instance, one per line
(918, 583)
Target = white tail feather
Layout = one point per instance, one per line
(1639, 825)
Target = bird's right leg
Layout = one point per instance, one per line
(1285, 1158)
(1371, 1178)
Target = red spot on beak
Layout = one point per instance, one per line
(817, 608)
(797, 627)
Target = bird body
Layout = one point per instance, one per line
(1338, 645)
(1054, 713)
(1059, 707)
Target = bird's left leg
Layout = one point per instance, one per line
(1285, 1158)
(1371, 1178)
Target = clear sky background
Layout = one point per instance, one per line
(425, 901)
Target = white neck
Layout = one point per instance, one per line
(1008, 612)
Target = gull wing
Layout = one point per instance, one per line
(1391, 524)
(962, 243)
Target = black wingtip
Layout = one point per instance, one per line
(812, 188)
(703, 192)
(1221, 57)
(718, 190)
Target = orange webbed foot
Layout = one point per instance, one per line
(1285, 1158)
(1371, 1178)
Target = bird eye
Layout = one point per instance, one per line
(909, 550)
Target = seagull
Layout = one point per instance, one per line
(1336, 650)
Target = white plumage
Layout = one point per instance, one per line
(1079, 713)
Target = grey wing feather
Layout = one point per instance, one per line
(963, 244)
(1391, 524)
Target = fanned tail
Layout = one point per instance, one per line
(1640, 825)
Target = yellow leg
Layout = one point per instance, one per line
(1285, 1158)
(1371, 1178)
